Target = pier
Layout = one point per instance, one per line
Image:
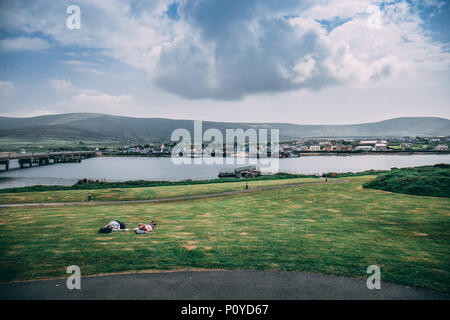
(44, 158)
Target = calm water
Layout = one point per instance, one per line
(136, 168)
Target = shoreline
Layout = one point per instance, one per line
(12, 179)
(372, 153)
(301, 154)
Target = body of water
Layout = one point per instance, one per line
(146, 168)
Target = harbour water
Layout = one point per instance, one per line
(147, 168)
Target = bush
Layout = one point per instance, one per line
(422, 181)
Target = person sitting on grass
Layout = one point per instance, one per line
(114, 225)
(145, 228)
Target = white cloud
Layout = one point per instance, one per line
(6, 88)
(61, 84)
(89, 99)
(83, 66)
(101, 102)
(66, 86)
(6, 94)
(400, 46)
(78, 63)
(260, 53)
(95, 99)
(23, 44)
(304, 68)
(229, 50)
(111, 26)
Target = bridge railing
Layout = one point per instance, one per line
(17, 155)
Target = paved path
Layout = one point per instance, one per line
(180, 198)
(213, 285)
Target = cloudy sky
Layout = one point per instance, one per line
(298, 61)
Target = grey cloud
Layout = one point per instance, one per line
(244, 48)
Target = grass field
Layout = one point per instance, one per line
(119, 194)
(337, 229)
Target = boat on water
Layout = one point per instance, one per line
(242, 172)
(227, 174)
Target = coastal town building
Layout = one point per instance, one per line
(380, 146)
(303, 148)
(441, 147)
(365, 148)
(406, 145)
(344, 148)
(329, 147)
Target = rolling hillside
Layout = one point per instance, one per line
(102, 127)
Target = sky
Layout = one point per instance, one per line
(302, 61)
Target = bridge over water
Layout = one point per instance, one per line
(44, 158)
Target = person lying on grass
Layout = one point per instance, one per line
(145, 228)
(114, 225)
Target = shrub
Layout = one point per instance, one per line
(422, 181)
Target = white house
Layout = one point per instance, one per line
(441, 147)
(380, 146)
(364, 148)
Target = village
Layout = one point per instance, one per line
(305, 146)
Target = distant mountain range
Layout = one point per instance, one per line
(102, 127)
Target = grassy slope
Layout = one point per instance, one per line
(422, 181)
(116, 194)
(337, 229)
(91, 184)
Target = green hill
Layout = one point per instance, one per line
(422, 181)
(102, 127)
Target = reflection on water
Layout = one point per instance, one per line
(13, 182)
(143, 168)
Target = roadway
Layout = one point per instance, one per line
(214, 285)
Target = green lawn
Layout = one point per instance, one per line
(337, 229)
(138, 193)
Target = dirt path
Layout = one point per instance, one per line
(180, 198)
